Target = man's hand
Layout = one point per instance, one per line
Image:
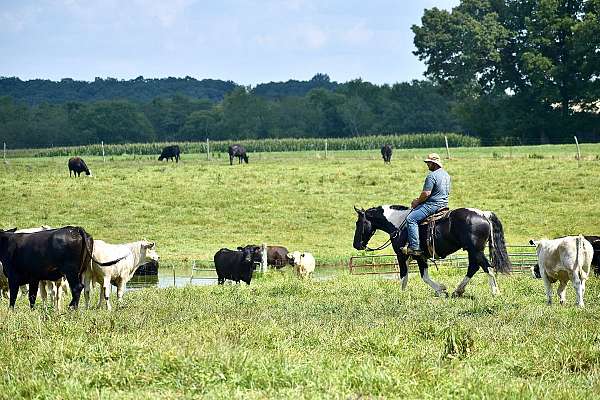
(424, 196)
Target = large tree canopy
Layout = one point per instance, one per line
(542, 52)
(546, 48)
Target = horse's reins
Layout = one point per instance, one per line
(393, 235)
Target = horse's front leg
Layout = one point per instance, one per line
(440, 289)
(403, 265)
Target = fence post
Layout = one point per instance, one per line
(4, 156)
(207, 149)
(325, 148)
(103, 158)
(263, 261)
(447, 148)
(578, 151)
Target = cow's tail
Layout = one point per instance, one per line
(497, 245)
(580, 257)
(89, 248)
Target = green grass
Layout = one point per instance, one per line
(347, 337)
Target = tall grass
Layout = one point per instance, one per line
(269, 145)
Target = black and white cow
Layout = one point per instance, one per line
(77, 166)
(386, 153)
(236, 150)
(170, 153)
(236, 265)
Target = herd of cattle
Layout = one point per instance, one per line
(54, 260)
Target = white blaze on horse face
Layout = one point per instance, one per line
(396, 217)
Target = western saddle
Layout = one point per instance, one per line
(431, 222)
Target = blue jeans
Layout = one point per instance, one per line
(417, 215)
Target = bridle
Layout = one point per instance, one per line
(387, 242)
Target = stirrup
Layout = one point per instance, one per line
(410, 252)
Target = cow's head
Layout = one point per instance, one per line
(295, 257)
(148, 251)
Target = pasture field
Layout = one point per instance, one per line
(346, 337)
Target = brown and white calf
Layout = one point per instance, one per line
(131, 256)
(564, 259)
(304, 263)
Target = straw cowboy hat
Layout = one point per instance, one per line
(434, 158)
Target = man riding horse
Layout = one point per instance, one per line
(469, 229)
(434, 197)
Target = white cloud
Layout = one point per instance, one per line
(313, 37)
(359, 34)
(166, 12)
(19, 20)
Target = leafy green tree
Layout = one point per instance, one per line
(544, 52)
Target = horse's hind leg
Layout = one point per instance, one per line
(440, 289)
(489, 270)
(473, 267)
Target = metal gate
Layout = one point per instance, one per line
(523, 257)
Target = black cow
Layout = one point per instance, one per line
(386, 153)
(29, 258)
(235, 150)
(276, 255)
(170, 153)
(235, 265)
(595, 241)
(77, 166)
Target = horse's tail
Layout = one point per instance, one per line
(497, 245)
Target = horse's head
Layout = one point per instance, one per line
(364, 230)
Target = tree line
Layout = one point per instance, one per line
(315, 108)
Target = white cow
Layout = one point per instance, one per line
(304, 263)
(132, 256)
(564, 259)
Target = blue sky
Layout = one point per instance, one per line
(248, 42)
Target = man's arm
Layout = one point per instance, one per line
(422, 197)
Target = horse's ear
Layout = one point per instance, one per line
(359, 211)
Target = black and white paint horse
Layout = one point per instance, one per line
(463, 228)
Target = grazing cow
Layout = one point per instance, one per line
(129, 255)
(564, 259)
(45, 255)
(304, 263)
(170, 153)
(236, 150)
(276, 255)
(236, 265)
(77, 166)
(386, 153)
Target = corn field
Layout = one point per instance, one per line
(265, 145)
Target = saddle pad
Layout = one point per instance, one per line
(439, 214)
